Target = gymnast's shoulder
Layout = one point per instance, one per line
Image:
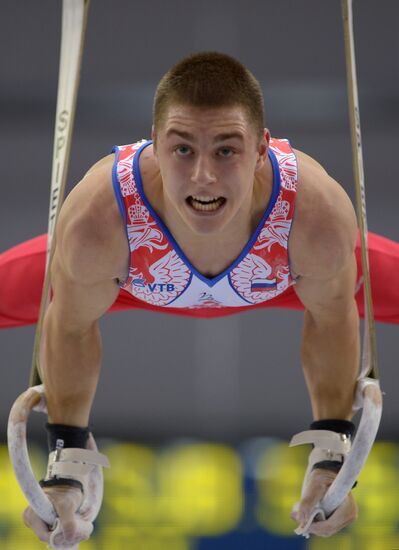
(324, 229)
(90, 234)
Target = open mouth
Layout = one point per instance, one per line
(206, 204)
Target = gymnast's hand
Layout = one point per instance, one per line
(346, 513)
(73, 527)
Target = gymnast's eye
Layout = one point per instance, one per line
(226, 152)
(183, 150)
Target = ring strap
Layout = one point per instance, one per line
(74, 463)
(79, 455)
(323, 439)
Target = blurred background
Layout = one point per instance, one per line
(195, 415)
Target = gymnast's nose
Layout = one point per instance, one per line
(203, 173)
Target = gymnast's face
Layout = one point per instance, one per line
(208, 160)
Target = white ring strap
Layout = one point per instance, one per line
(323, 439)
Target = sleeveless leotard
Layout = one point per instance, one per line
(159, 273)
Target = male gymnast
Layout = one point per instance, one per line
(212, 215)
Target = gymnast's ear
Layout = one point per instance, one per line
(263, 147)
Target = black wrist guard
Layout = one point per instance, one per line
(335, 425)
(66, 436)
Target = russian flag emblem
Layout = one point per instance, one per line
(261, 285)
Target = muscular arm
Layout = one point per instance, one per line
(71, 347)
(83, 277)
(321, 248)
(330, 342)
(322, 252)
(90, 255)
